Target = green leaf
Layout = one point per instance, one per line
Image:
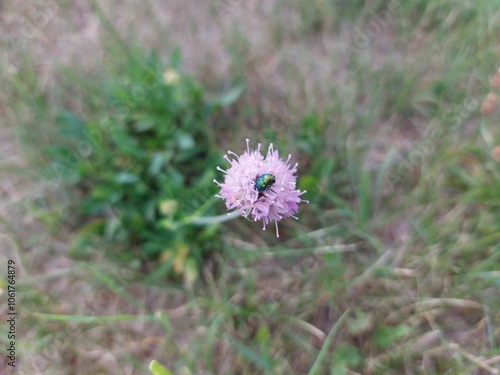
(361, 323)
(175, 177)
(263, 334)
(126, 178)
(385, 336)
(70, 124)
(157, 162)
(144, 124)
(126, 143)
(343, 357)
(184, 140)
(248, 353)
(228, 98)
(156, 368)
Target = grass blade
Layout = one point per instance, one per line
(324, 349)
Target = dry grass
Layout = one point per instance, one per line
(409, 266)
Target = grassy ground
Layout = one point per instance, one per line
(392, 268)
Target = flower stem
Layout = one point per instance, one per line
(208, 220)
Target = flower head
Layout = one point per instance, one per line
(170, 77)
(260, 187)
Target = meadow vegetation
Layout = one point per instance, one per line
(115, 116)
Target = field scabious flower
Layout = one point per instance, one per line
(277, 201)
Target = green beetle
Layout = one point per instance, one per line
(264, 182)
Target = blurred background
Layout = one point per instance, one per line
(114, 117)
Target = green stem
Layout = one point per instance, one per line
(208, 220)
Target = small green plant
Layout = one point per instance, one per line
(156, 368)
(143, 159)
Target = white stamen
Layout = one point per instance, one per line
(270, 150)
(221, 170)
(232, 153)
(258, 147)
(277, 233)
(248, 145)
(231, 161)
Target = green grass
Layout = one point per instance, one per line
(393, 266)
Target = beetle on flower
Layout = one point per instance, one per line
(261, 187)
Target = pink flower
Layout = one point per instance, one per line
(276, 201)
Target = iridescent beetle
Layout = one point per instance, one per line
(264, 182)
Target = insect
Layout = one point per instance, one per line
(264, 182)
